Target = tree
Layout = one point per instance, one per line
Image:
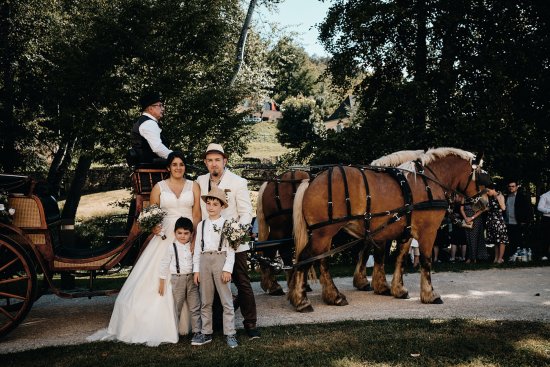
(301, 122)
(25, 36)
(291, 69)
(102, 54)
(439, 73)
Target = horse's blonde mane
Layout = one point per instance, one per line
(397, 158)
(435, 153)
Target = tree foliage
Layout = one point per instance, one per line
(470, 74)
(301, 122)
(292, 70)
(75, 70)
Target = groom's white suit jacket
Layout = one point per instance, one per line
(238, 199)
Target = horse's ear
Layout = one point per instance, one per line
(478, 160)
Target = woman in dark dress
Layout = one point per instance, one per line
(474, 236)
(458, 235)
(496, 228)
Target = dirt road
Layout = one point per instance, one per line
(495, 294)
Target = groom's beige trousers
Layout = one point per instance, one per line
(210, 274)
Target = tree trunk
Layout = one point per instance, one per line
(420, 61)
(242, 41)
(75, 192)
(60, 164)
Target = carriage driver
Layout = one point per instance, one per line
(240, 208)
(147, 140)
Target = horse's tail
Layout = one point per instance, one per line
(300, 226)
(263, 228)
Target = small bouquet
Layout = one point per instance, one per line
(6, 213)
(151, 217)
(235, 233)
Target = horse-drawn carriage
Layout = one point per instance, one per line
(371, 203)
(36, 245)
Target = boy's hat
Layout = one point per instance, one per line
(217, 193)
(214, 148)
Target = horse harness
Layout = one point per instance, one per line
(280, 210)
(395, 214)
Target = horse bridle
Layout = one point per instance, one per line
(472, 200)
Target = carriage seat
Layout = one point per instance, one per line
(144, 178)
(51, 209)
(16, 184)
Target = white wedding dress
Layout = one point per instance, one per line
(140, 314)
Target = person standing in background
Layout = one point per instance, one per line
(544, 208)
(518, 214)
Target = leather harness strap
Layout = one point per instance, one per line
(280, 210)
(177, 258)
(396, 214)
(202, 238)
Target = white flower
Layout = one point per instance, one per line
(11, 211)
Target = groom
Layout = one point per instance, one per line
(240, 208)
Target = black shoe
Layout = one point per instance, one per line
(253, 333)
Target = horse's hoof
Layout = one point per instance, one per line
(341, 302)
(385, 292)
(308, 288)
(365, 288)
(403, 296)
(437, 301)
(305, 309)
(277, 292)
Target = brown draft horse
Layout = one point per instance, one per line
(374, 209)
(274, 216)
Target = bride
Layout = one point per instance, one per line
(140, 314)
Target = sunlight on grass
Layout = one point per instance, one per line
(533, 345)
(353, 362)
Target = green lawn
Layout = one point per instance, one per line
(348, 344)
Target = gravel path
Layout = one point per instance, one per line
(495, 294)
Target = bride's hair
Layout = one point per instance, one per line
(175, 154)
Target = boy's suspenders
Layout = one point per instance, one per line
(177, 258)
(202, 238)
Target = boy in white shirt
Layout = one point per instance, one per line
(213, 261)
(177, 265)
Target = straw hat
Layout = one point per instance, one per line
(217, 193)
(214, 148)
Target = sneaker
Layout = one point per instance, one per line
(232, 341)
(253, 333)
(201, 339)
(544, 258)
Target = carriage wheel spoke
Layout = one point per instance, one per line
(8, 315)
(9, 264)
(10, 295)
(11, 280)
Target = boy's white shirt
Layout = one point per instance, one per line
(211, 243)
(238, 199)
(168, 261)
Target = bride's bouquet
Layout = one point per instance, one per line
(235, 232)
(151, 217)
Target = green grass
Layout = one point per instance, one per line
(264, 144)
(348, 344)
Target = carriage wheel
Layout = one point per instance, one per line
(17, 285)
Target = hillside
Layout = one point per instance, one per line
(264, 144)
